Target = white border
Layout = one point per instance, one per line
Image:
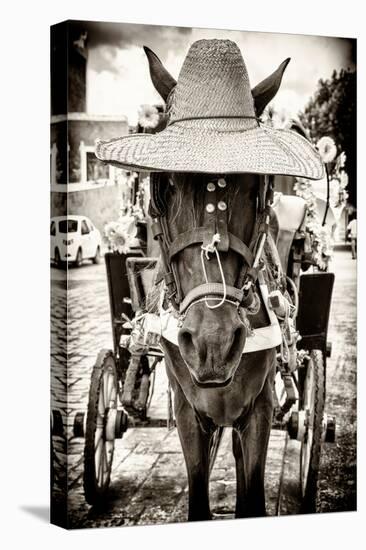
(25, 271)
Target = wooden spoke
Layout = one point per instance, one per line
(101, 468)
(109, 389)
(109, 447)
(98, 457)
(105, 380)
(105, 461)
(98, 436)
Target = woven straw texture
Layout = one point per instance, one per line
(213, 80)
(213, 86)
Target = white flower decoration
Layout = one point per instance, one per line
(344, 179)
(148, 116)
(342, 159)
(120, 234)
(321, 241)
(327, 149)
(281, 119)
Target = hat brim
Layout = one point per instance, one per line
(259, 150)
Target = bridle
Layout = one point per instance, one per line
(214, 238)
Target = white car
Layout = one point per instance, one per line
(74, 239)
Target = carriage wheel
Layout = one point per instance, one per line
(313, 405)
(214, 446)
(100, 427)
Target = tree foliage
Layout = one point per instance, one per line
(332, 112)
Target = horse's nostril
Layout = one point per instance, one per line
(239, 333)
(186, 338)
(192, 346)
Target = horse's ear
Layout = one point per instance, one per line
(265, 91)
(162, 80)
(296, 126)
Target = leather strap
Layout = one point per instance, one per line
(157, 195)
(210, 289)
(156, 229)
(222, 220)
(201, 235)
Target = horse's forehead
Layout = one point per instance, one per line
(198, 188)
(191, 203)
(247, 180)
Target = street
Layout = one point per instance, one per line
(148, 483)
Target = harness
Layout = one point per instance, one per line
(214, 238)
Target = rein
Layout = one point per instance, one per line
(214, 238)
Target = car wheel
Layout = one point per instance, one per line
(57, 258)
(79, 258)
(96, 259)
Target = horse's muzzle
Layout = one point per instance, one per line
(212, 347)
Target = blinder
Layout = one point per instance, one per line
(158, 189)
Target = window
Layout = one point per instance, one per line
(68, 226)
(95, 169)
(84, 228)
(53, 229)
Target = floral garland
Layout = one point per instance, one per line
(322, 241)
(121, 234)
(337, 180)
(339, 183)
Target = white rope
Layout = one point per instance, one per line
(207, 250)
(211, 247)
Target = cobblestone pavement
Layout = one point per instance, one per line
(148, 481)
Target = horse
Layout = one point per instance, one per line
(214, 384)
(211, 172)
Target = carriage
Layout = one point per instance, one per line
(119, 400)
(223, 163)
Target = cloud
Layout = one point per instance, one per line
(123, 90)
(119, 80)
(103, 37)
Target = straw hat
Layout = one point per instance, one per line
(213, 127)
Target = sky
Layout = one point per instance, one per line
(118, 79)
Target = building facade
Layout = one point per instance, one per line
(80, 183)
